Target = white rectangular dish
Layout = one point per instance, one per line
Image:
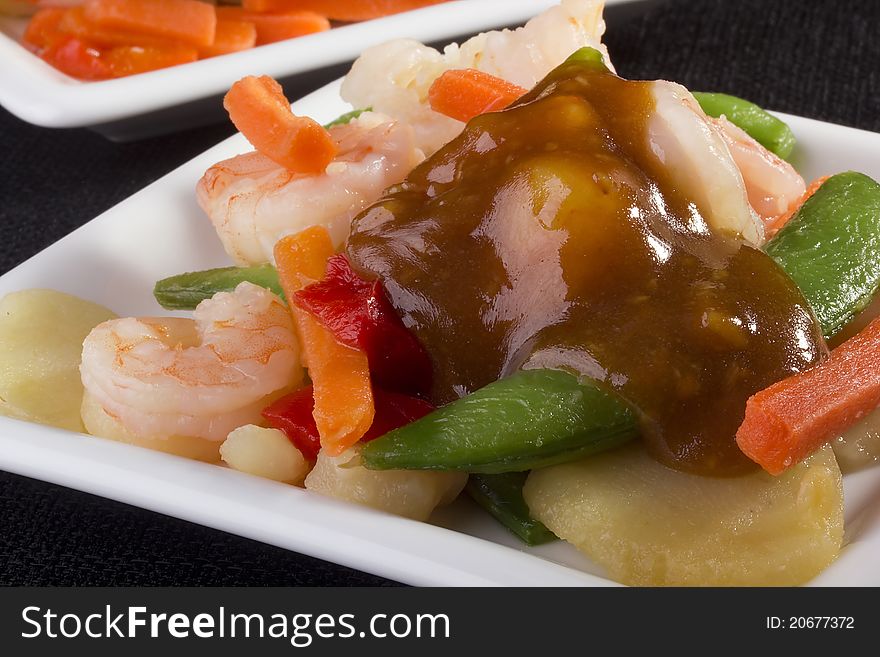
(168, 99)
(115, 260)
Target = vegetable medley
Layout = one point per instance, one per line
(103, 39)
(611, 311)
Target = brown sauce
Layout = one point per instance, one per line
(547, 235)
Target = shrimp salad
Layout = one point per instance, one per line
(611, 312)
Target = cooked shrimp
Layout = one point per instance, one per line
(394, 77)
(743, 187)
(201, 377)
(253, 202)
(772, 183)
(701, 162)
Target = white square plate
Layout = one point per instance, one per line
(160, 231)
(40, 94)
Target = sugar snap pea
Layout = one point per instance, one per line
(763, 127)
(348, 117)
(831, 248)
(185, 291)
(530, 419)
(501, 495)
(587, 55)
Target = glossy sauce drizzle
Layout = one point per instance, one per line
(548, 235)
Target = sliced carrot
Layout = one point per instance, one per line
(777, 223)
(76, 24)
(130, 60)
(231, 36)
(272, 28)
(258, 108)
(465, 93)
(341, 10)
(277, 27)
(189, 21)
(227, 13)
(344, 407)
(792, 418)
(77, 59)
(42, 29)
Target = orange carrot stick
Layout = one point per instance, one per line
(272, 28)
(344, 407)
(131, 60)
(341, 10)
(42, 30)
(466, 93)
(277, 27)
(792, 418)
(75, 23)
(231, 36)
(258, 108)
(777, 223)
(189, 21)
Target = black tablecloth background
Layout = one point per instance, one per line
(810, 57)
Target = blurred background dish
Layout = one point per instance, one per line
(187, 95)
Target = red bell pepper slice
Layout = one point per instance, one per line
(77, 59)
(359, 315)
(292, 414)
(394, 410)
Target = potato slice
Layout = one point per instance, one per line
(650, 525)
(99, 423)
(410, 493)
(41, 336)
(859, 446)
(265, 453)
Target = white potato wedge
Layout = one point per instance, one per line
(859, 446)
(409, 493)
(265, 453)
(41, 336)
(98, 423)
(652, 526)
